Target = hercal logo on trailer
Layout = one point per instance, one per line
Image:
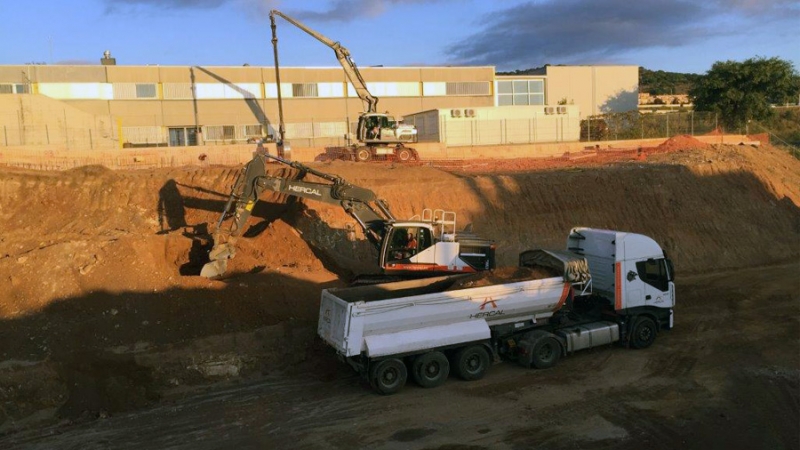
(493, 312)
(488, 301)
(304, 190)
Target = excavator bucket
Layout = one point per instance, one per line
(214, 269)
(218, 264)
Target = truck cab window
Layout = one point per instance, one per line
(654, 273)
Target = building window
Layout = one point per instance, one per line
(468, 88)
(71, 91)
(14, 89)
(520, 92)
(182, 136)
(305, 90)
(145, 91)
(130, 91)
(177, 91)
(220, 133)
(252, 131)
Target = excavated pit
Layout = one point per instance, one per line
(102, 309)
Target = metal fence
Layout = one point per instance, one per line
(540, 129)
(635, 125)
(105, 133)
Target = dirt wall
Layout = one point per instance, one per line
(102, 304)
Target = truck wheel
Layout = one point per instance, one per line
(404, 154)
(546, 353)
(388, 376)
(644, 333)
(363, 155)
(431, 369)
(471, 363)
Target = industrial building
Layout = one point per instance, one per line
(111, 105)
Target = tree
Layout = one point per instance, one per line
(742, 91)
(659, 82)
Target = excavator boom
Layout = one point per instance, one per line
(342, 55)
(371, 213)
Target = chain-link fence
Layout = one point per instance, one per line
(635, 125)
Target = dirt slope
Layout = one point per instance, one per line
(102, 305)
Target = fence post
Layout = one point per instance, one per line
(47, 133)
(642, 124)
(667, 136)
(21, 128)
(589, 129)
(530, 130)
(5, 135)
(691, 119)
(91, 143)
(66, 130)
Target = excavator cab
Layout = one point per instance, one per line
(436, 247)
(383, 129)
(404, 243)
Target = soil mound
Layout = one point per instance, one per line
(504, 275)
(682, 142)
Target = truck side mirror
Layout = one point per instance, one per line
(631, 275)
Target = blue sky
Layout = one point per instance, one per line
(672, 35)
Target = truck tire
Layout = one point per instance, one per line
(546, 353)
(471, 363)
(404, 155)
(363, 154)
(388, 376)
(644, 333)
(431, 369)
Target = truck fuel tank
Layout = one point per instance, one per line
(589, 335)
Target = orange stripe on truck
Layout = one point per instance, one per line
(618, 286)
(564, 295)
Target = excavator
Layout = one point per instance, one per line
(426, 245)
(378, 135)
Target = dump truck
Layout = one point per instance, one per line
(606, 287)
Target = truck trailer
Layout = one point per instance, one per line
(609, 286)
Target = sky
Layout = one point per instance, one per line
(671, 35)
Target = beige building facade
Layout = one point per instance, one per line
(596, 89)
(197, 105)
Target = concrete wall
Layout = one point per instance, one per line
(595, 89)
(498, 125)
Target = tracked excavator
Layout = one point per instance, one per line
(426, 245)
(378, 135)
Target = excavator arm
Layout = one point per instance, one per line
(371, 213)
(342, 54)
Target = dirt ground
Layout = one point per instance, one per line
(109, 339)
